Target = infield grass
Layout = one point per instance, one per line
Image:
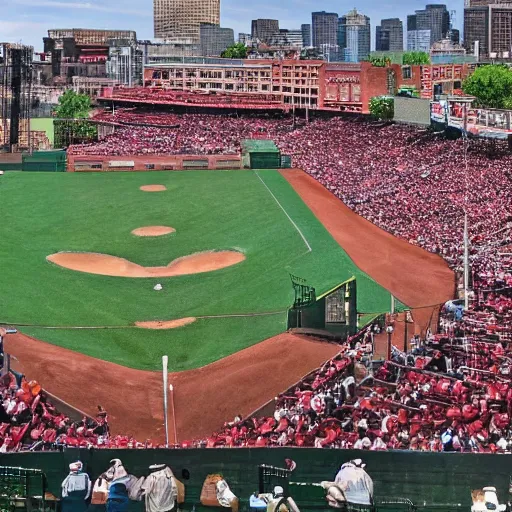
(44, 213)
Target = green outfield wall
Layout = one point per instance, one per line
(432, 481)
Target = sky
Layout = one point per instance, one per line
(27, 21)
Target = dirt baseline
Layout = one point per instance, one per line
(166, 324)
(153, 188)
(107, 265)
(418, 278)
(153, 231)
(204, 398)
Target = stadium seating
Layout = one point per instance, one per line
(28, 421)
(455, 391)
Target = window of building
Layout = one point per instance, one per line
(406, 72)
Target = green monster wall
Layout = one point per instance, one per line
(433, 482)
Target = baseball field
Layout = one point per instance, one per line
(76, 274)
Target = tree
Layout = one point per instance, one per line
(491, 85)
(235, 51)
(382, 107)
(69, 129)
(379, 62)
(73, 106)
(415, 58)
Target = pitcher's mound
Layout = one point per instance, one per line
(153, 231)
(170, 324)
(153, 188)
(107, 265)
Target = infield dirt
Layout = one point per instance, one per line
(166, 324)
(153, 231)
(107, 265)
(153, 188)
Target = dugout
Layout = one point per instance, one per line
(334, 312)
(260, 154)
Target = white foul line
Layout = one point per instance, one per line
(285, 212)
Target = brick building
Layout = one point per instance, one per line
(286, 84)
(82, 52)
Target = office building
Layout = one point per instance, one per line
(264, 29)
(354, 36)
(324, 29)
(87, 37)
(306, 35)
(244, 38)
(476, 30)
(155, 52)
(500, 31)
(125, 62)
(455, 36)
(418, 40)
(82, 52)
(287, 37)
(215, 39)
(389, 35)
(179, 20)
(488, 29)
(434, 18)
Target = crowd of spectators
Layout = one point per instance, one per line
(134, 117)
(452, 392)
(157, 95)
(193, 134)
(29, 421)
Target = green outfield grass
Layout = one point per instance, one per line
(43, 213)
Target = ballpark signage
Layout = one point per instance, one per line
(352, 79)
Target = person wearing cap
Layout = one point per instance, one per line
(352, 485)
(76, 489)
(277, 502)
(118, 478)
(159, 489)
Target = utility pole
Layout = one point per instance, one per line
(466, 262)
(466, 192)
(165, 370)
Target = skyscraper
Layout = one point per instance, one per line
(354, 36)
(324, 29)
(435, 18)
(180, 19)
(306, 34)
(215, 39)
(418, 40)
(389, 35)
(264, 29)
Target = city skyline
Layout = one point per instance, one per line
(28, 20)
